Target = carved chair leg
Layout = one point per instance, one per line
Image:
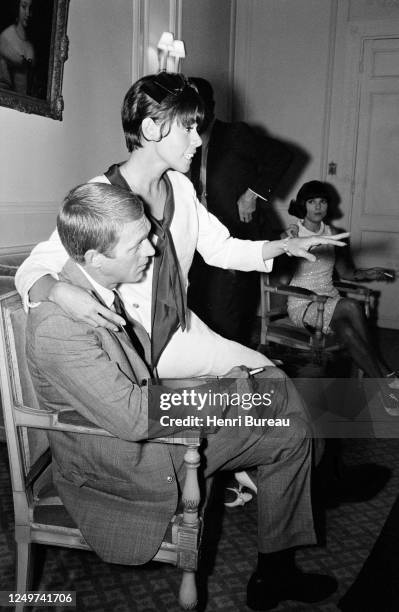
(191, 491)
(189, 530)
(188, 591)
(265, 309)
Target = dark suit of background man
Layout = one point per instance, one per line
(234, 173)
(120, 491)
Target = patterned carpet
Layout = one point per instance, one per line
(229, 552)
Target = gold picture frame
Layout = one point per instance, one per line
(33, 50)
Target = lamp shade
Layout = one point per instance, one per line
(165, 43)
(178, 49)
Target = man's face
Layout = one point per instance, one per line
(130, 256)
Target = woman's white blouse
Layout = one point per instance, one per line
(192, 227)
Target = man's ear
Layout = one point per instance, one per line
(151, 131)
(93, 258)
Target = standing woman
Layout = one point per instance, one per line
(160, 115)
(17, 55)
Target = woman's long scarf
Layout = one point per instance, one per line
(168, 304)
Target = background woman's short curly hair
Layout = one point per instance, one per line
(312, 189)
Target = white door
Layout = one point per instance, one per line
(375, 187)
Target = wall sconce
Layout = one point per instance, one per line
(169, 47)
(165, 45)
(178, 52)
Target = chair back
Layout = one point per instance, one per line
(30, 466)
(26, 446)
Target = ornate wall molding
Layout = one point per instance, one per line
(175, 17)
(138, 31)
(29, 208)
(18, 249)
(373, 9)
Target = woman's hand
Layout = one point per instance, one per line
(237, 372)
(299, 247)
(81, 306)
(374, 274)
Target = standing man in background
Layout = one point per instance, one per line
(234, 173)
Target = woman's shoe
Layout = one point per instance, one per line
(390, 401)
(244, 480)
(235, 495)
(238, 497)
(393, 378)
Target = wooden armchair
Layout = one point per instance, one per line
(40, 516)
(277, 328)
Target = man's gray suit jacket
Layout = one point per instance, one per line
(121, 491)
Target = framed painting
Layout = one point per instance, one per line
(33, 49)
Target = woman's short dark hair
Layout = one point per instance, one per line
(93, 216)
(164, 97)
(312, 189)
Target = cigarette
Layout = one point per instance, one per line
(388, 275)
(255, 371)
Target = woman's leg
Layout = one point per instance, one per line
(198, 351)
(350, 325)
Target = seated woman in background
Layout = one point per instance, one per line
(342, 315)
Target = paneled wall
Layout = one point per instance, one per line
(41, 159)
(291, 62)
(208, 28)
(281, 75)
(110, 43)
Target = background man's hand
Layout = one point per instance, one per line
(246, 206)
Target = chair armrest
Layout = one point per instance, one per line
(291, 290)
(72, 421)
(354, 290)
(190, 438)
(58, 420)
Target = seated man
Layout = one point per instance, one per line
(120, 491)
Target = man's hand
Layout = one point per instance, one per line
(246, 206)
(81, 306)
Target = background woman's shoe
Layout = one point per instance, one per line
(393, 378)
(390, 402)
